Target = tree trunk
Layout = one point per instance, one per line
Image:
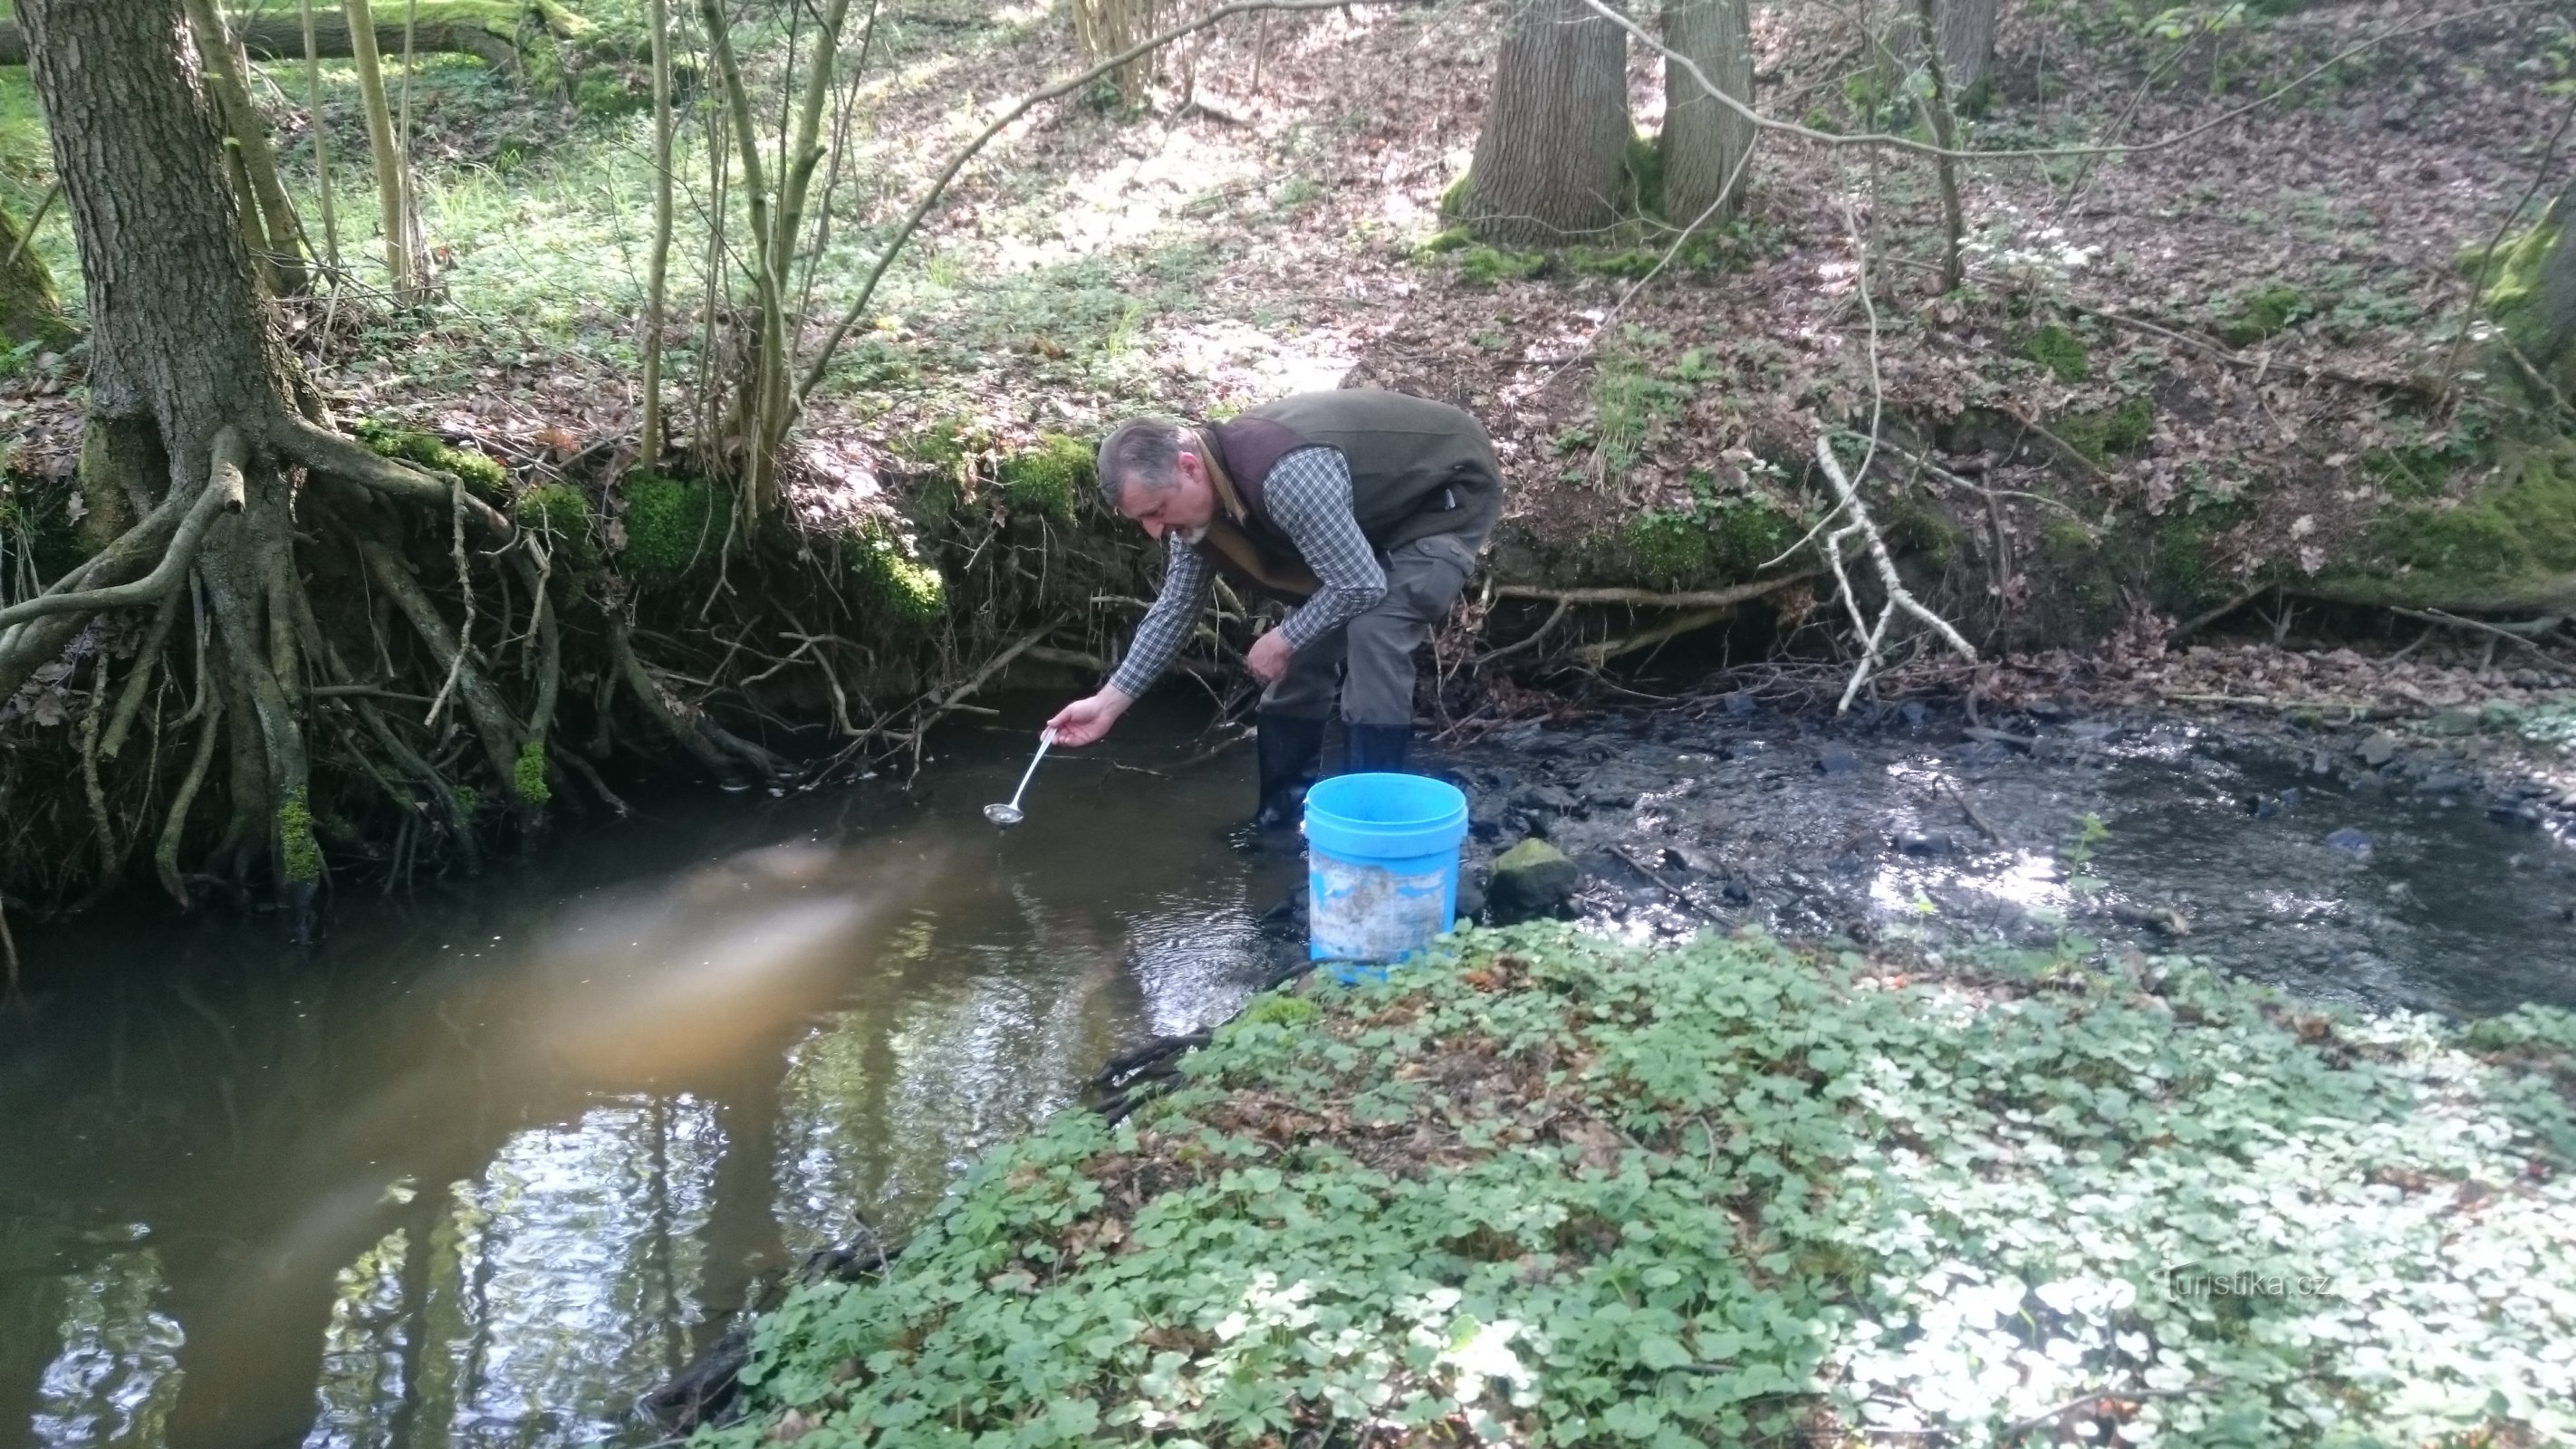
(1967, 51)
(1967, 48)
(380, 142)
(276, 237)
(489, 29)
(1548, 162)
(30, 309)
(2551, 336)
(1705, 143)
(187, 382)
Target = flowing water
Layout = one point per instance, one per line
(487, 1165)
(491, 1162)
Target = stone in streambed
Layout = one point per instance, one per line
(2379, 749)
(1838, 760)
(1530, 880)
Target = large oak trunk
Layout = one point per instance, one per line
(1705, 143)
(1548, 162)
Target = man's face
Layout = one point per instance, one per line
(1185, 508)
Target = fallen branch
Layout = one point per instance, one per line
(1650, 599)
(478, 28)
(2263, 362)
(1898, 596)
(1975, 816)
(2265, 701)
(1668, 888)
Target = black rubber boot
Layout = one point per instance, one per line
(1375, 749)
(1290, 747)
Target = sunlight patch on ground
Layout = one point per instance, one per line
(1239, 358)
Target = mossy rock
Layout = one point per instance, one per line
(910, 592)
(1484, 266)
(672, 524)
(560, 513)
(610, 91)
(2105, 433)
(2266, 313)
(1049, 479)
(481, 472)
(2058, 349)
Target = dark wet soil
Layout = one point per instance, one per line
(2324, 861)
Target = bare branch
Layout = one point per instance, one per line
(1919, 148)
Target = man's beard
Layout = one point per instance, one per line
(1194, 536)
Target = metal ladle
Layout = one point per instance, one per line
(1010, 814)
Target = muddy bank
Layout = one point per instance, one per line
(2340, 863)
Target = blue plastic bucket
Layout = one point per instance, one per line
(1381, 865)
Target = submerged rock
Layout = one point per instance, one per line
(1530, 880)
(2356, 842)
(2379, 749)
(1838, 760)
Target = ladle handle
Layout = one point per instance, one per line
(1045, 738)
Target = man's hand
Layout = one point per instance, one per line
(1269, 657)
(1085, 720)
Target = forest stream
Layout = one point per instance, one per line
(502, 1156)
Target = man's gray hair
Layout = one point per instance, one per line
(1142, 450)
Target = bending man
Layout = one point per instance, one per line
(1364, 509)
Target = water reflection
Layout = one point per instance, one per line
(118, 1372)
(483, 1172)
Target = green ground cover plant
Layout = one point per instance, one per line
(1553, 1188)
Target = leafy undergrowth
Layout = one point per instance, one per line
(1561, 1190)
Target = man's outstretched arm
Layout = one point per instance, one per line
(1187, 582)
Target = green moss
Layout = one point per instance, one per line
(1667, 548)
(2066, 538)
(614, 93)
(1483, 266)
(468, 801)
(299, 854)
(1453, 198)
(2183, 576)
(560, 513)
(1746, 533)
(528, 774)
(1630, 262)
(909, 591)
(1050, 478)
(2061, 352)
(1445, 240)
(2105, 433)
(672, 524)
(2516, 533)
(482, 473)
(2265, 313)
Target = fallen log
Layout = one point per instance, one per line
(492, 30)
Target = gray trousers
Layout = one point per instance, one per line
(1369, 659)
